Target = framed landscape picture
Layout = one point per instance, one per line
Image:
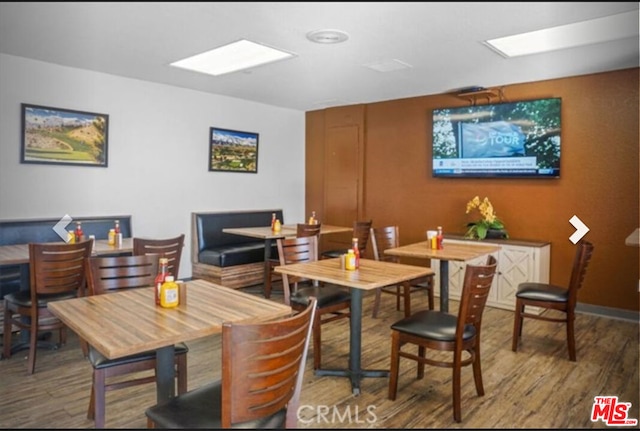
(63, 136)
(233, 150)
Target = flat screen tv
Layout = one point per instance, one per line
(515, 139)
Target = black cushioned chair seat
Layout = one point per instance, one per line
(434, 325)
(23, 298)
(98, 360)
(334, 253)
(201, 408)
(542, 292)
(326, 295)
(237, 254)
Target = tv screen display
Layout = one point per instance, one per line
(516, 139)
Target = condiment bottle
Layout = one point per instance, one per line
(273, 220)
(350, 260)
(312, 219)
(277, 226)
(356, 251)
(71, 237)
(112, 237)
(439, 238)
(169, 293)
(79, 234)
(163, 272)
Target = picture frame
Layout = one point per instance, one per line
(59, 136)
(233, 150)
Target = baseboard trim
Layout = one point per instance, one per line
(612, 313)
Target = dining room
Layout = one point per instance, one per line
(346, 161)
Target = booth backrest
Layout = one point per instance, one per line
(207, 227)
(41, 230)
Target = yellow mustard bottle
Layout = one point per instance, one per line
(350, 260)
(169, 293)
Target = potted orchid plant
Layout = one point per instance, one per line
(489, 224)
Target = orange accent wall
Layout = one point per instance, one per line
(599, 180)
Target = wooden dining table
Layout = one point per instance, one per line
(371, 274)
(129, 322)
(451, 251)
(268, 235)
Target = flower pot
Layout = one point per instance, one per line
(496, 234)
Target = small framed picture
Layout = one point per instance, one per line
(60, 136)
(233, 150)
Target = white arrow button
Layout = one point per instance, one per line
(60, 227)
(581, 229)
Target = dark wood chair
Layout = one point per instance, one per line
(361, 230)
(111, 274)
(551, 297)
(383, 238)
(57, 272)
(262, 371)
(441, 331)
(333, 302)
(171, 248)
(302, 230)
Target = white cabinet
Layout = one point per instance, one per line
(518, 262)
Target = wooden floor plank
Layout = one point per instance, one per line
(537, 387)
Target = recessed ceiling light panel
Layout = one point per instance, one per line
(388, 65)
(327, 36)
(614, 27)
(233, 57)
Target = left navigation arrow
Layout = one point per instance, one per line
(61, 227)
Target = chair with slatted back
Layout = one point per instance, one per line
(334, 302)
(171, 248)
(112, 274)
(57, 272)
(440, 331)
(551, 297)
(383, 238)
(262, 371)
(361, 230)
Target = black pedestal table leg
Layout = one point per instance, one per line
(165, 378)
(444, 285)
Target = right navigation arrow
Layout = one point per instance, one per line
(581, 229)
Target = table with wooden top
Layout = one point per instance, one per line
(268, 235)
(129, 322)
(451, 251)
(371, 274)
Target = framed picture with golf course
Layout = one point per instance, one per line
(63, 136)
(233, 150)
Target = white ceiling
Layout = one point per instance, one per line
(441, 41)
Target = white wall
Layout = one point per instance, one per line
(157, 148)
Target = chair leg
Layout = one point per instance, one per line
(422, 351)
(517, 325)
(395, 365)
(571, 339)
(33, 340)
(398, 294)
(98, 399)
(376, 303)
(182, 374)
(477, 371)
(317, 341)
(457, 416)
(267, 285)
(430, 296)
(6, 339)
(406, 288)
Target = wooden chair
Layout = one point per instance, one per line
(553, 297)
(57, 272)
(171, 248)
(383, 238)
(262, 371)
(445, 332)
(333, 302)
(361, 230)
(111, 274)
(302, 230)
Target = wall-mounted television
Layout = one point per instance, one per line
(515, 139)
